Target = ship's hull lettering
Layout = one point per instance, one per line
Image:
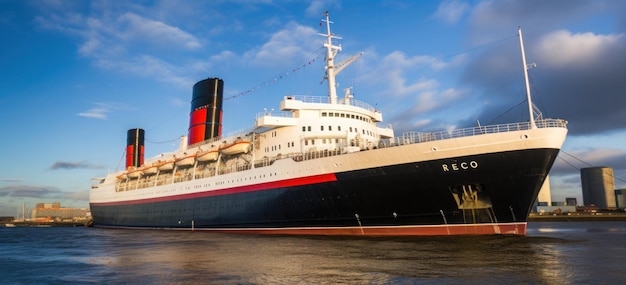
(465, 165)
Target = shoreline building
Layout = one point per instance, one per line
(598, 185)
(54, 211)
(619, 198)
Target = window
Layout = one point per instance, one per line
(321, 128)
(323, 114)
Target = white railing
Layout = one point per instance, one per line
(417, 137)
(326, 100)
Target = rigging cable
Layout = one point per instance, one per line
(584, 162)
(278, 77)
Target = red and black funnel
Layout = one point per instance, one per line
(205, 120)
(134, 148)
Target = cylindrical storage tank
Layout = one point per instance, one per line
(598, 185)
(134, 148)
(205, 120)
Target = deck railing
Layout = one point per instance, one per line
(418, 137)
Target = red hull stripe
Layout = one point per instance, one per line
(308, 180)
(421, 230)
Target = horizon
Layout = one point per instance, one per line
(79, 74)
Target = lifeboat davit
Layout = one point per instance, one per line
(238, 147)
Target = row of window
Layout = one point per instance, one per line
(324, 141)
(277, 147)
(344, 115)
(330, 128)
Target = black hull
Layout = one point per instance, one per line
(500, 187)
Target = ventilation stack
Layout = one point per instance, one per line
(205, 120)
(134, 148)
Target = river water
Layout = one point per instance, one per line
(551, 253)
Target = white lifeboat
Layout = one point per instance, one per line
(234, 148)
(149, 170)
(165, 165)
(135, 173)
(209, 155)
(185, 161)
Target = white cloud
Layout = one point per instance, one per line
(564, 48)
(96, 113)
(451, 11)
(101, 110)
(128, 43)
(318, 7)
(291, 44)
(133, 27)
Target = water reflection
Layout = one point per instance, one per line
(194, 257)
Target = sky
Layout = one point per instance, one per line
(76, 75)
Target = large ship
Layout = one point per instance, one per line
(325, 166)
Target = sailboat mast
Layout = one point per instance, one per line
(530, 103)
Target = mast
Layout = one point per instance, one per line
(530, 103)
(331, 51)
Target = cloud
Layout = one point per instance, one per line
(30, 191)
(101, 110)
(318, 7)
(451, 11)
(291, 44)
(563, 48)
(133, 27)
(129, 43)
(74, 165)
(10, 180)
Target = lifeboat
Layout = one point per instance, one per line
(209, 155)
(185, 161)
(149, 170)
(135, 173)
(237, 147)
(165, 165)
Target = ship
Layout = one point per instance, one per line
(326, 165)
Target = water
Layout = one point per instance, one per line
(551, 253)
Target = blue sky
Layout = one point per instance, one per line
(76, 75)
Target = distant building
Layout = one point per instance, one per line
(571, 202)
(619, 198)
(598, 185)
(54, 211)
(545, 197)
